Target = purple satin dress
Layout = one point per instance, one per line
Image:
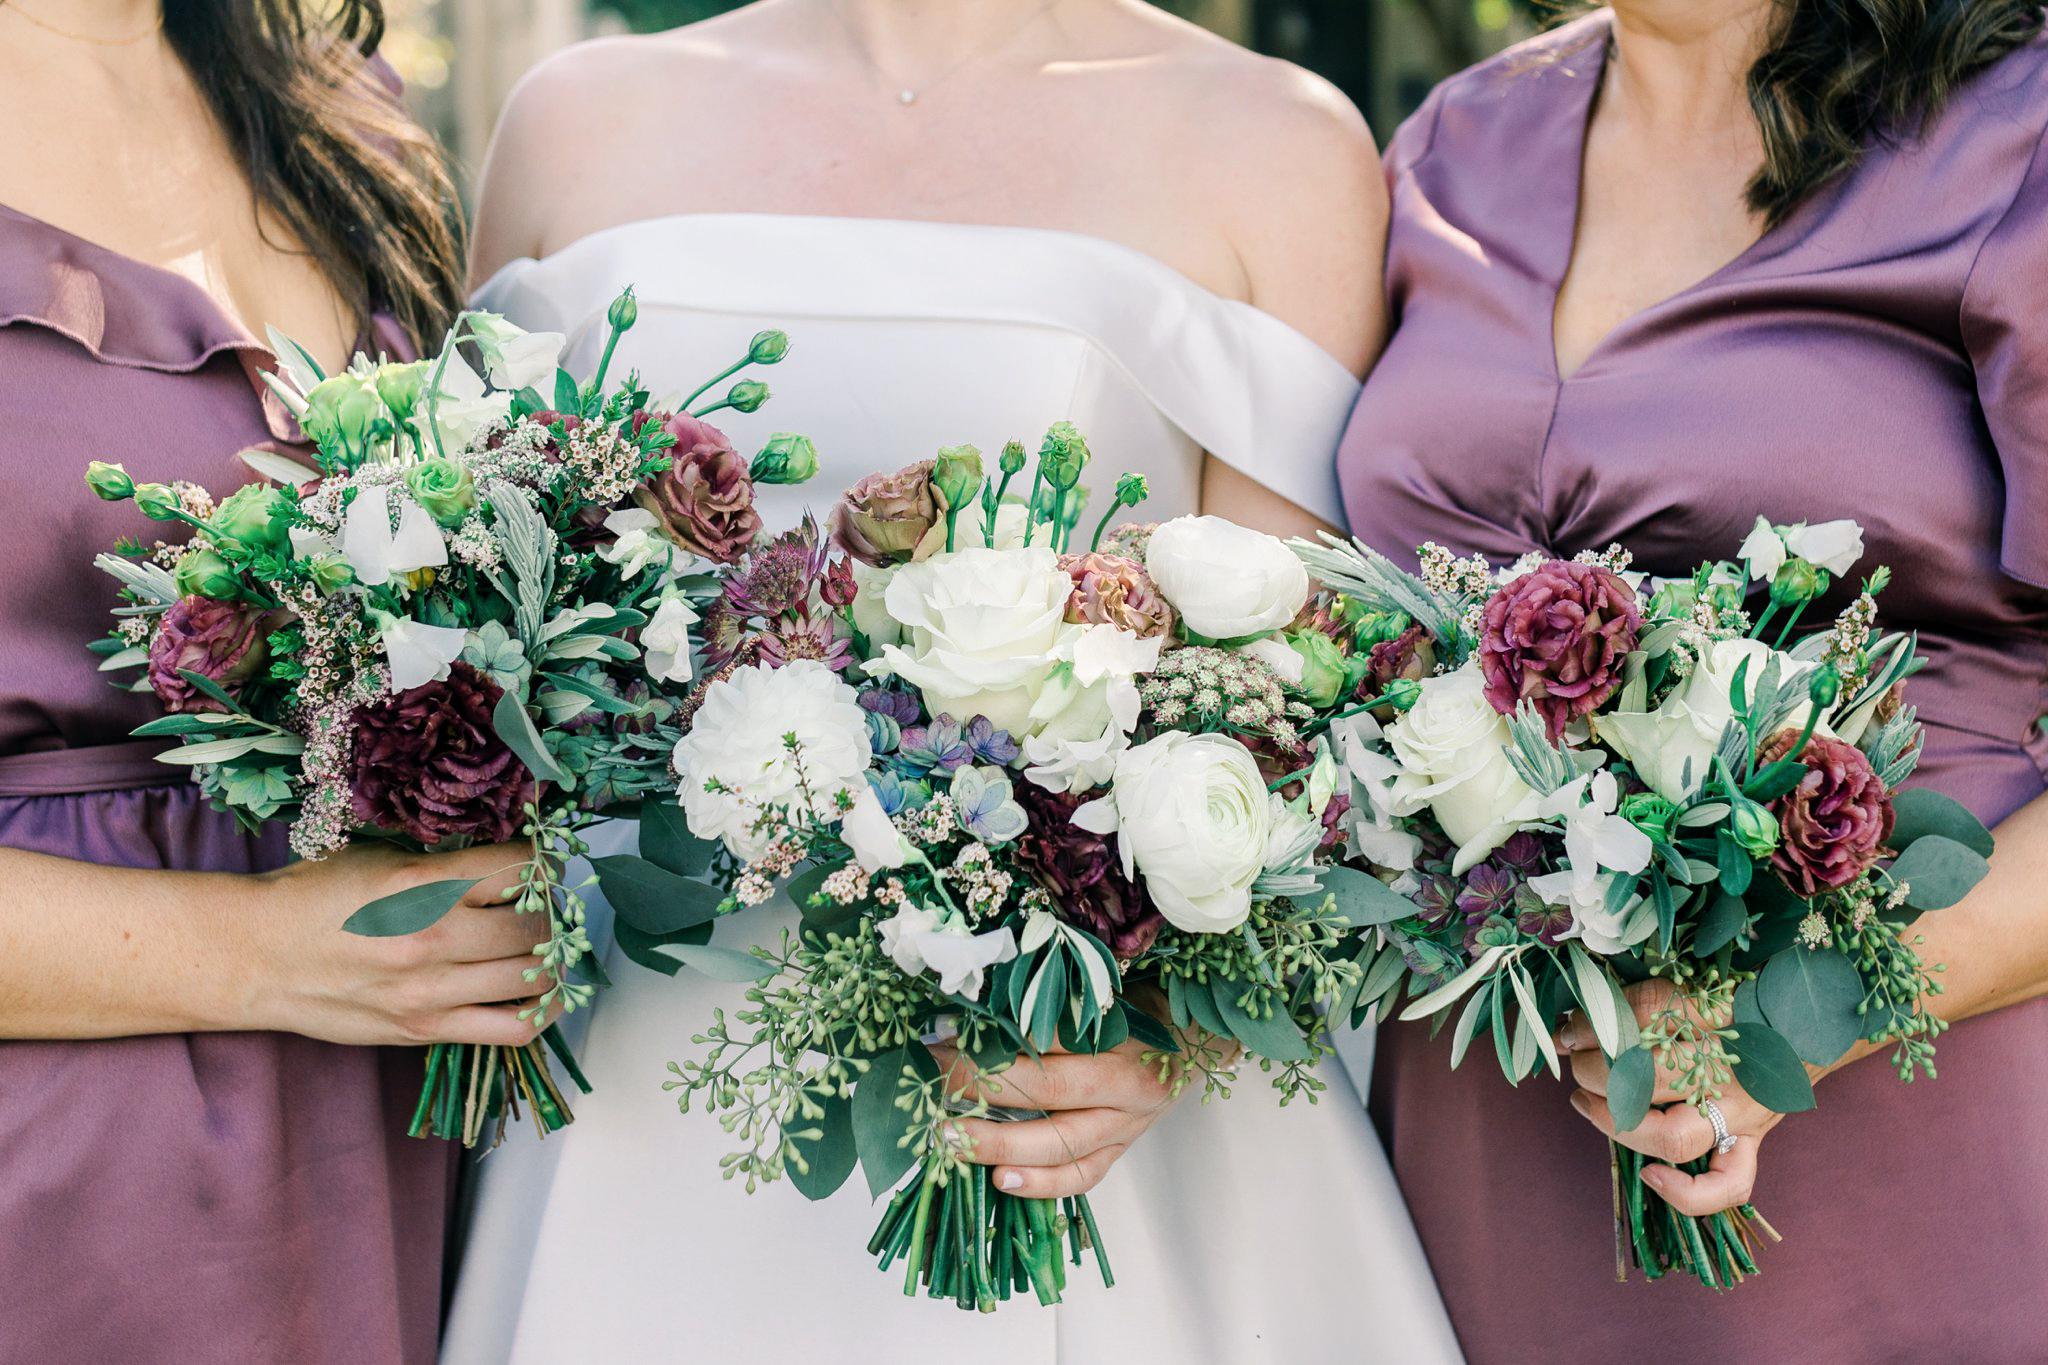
(187, 1199)
(1882, 355)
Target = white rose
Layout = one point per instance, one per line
(1191, 816)
(737, 740)
(983, 629)
(665, 640)
(1672, 748)
(1226, 580)
(1452, 748)
(870, 612)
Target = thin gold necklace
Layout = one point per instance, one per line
(905, 94)
(48, 27)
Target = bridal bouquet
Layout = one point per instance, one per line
(1579, 780)
(1027, 793)
(459, 629)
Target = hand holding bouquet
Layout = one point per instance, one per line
(1580, 781)
(457, 630)
(1028, 794)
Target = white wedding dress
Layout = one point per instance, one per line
(1239, 1233)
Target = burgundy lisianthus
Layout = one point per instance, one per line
(1081, 872)
(220, 641)
(1110, 590)
(1557, 638)
(428, 763)
(881, 519)
(705, 500)
(1832, 826)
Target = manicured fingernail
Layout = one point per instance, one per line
(1653, 1176)
(1582, 1104)
(1011, 1180)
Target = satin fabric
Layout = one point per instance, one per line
(1879, 356)
(1240, 1232)
(216, 1199)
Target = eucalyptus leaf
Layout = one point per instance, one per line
(1274, 1036)
(1201, 1005)
(879, 1127)
(830, 1156)
(666, 841)
(653, 900)
(408, 911)
(1631, 1080)
(1720, 926)
(1738, 867)
(1938, 871)
(1811, 998)
(720, 964)
(515, 727)
(1363, 899)
(644, 948)
(1921, 811)
(1770, 1070)
(1150, 1031)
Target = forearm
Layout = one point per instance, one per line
(1236, 496)
(96, 952)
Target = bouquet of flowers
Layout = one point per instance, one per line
(1026, 794)
(459, 629)
(1579, 780)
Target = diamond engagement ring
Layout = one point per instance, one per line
(1724, 1141)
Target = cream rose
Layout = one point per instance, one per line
(982, 632)
(1452, 748)
(1191, 816)
(1672, 748)
(1226, 581)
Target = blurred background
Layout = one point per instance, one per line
(461, 57)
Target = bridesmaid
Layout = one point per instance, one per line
(186, 1175)
(1670, 266)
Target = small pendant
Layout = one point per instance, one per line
(907, 96)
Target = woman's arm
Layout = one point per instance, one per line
(97, 952)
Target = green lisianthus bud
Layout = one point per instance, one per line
(1725, 598)
(251, 516)
(400, 385)
(203, 573)
(1797, 583)
(1012, 459)
(787, 458)
(747, 395)
(330, 573)
(1755, 828)
(1063, 455)
(345, 412)
(1401, 694)
(1675, 598)
(109, 481)
(444, 488)
(1132, 489)
(768, 347)
(956, 474)
(1824, 687)
(1377, 627)
(1322, 667)
(625, 311)
(159, 502)
(1649, 813)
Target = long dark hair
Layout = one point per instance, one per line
(328, 151)
(1839, 74)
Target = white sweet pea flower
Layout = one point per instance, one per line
(1763, 550)
(901, 934)
(307, 543)
(458, 403)
(1833, 545)
(1603, 931)
(872, 836)
(665, 640)
(1595, 838)
(1293, 837)
(920, 940)
(1276, 654)
(418, 653)
(636, 543)
(375, 551)
(527, 361)
(1374, 776)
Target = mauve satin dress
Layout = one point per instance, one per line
(184, 1199)
(1882, 355)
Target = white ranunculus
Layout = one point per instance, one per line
(983, 631)
(637, 542)
(737, 740)
(872, 836)
(1226, 581)
(375, 551)
(1190, 815)
(419, 653)
(1452, 748)
(665, 640)
(1672, 748)
(920, 940)
(870, 607)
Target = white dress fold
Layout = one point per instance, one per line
(1240, 1233)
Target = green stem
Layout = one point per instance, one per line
(1115, 506)
(707, 411)
(920, 1224)
(1031, 507)
(716, 380)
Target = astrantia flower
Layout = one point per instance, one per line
(705, 501)
(1557, 638)
(805, 635)
(780, 575)
(763, 738)
(1089, 888)
(1835, 822)
(428, 763)
(220, 641)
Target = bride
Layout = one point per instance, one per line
(973, 219)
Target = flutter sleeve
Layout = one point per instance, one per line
(2005, 329)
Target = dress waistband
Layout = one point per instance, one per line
(103, 767)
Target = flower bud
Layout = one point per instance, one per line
(109, 481)
(625, 311)
(787, 458)
(1322, 667)
(399, 385)
(1797, 583)
(1063, 456)
(1725, 598)
(1649, 813)
(1132, 489)
(1823, 687)
(203, 573)
(251, 516)
(956, 474)
(768, 347)
(331, 573)
(1376, 627)
(159, 502)
(444, 488)
(1754, 827)
(747, 395)
(1401, 694)
(1012, 458)
(1674, 598)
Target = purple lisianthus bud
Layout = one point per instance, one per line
(220, 641)
(1557, 638)
(429, 764)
